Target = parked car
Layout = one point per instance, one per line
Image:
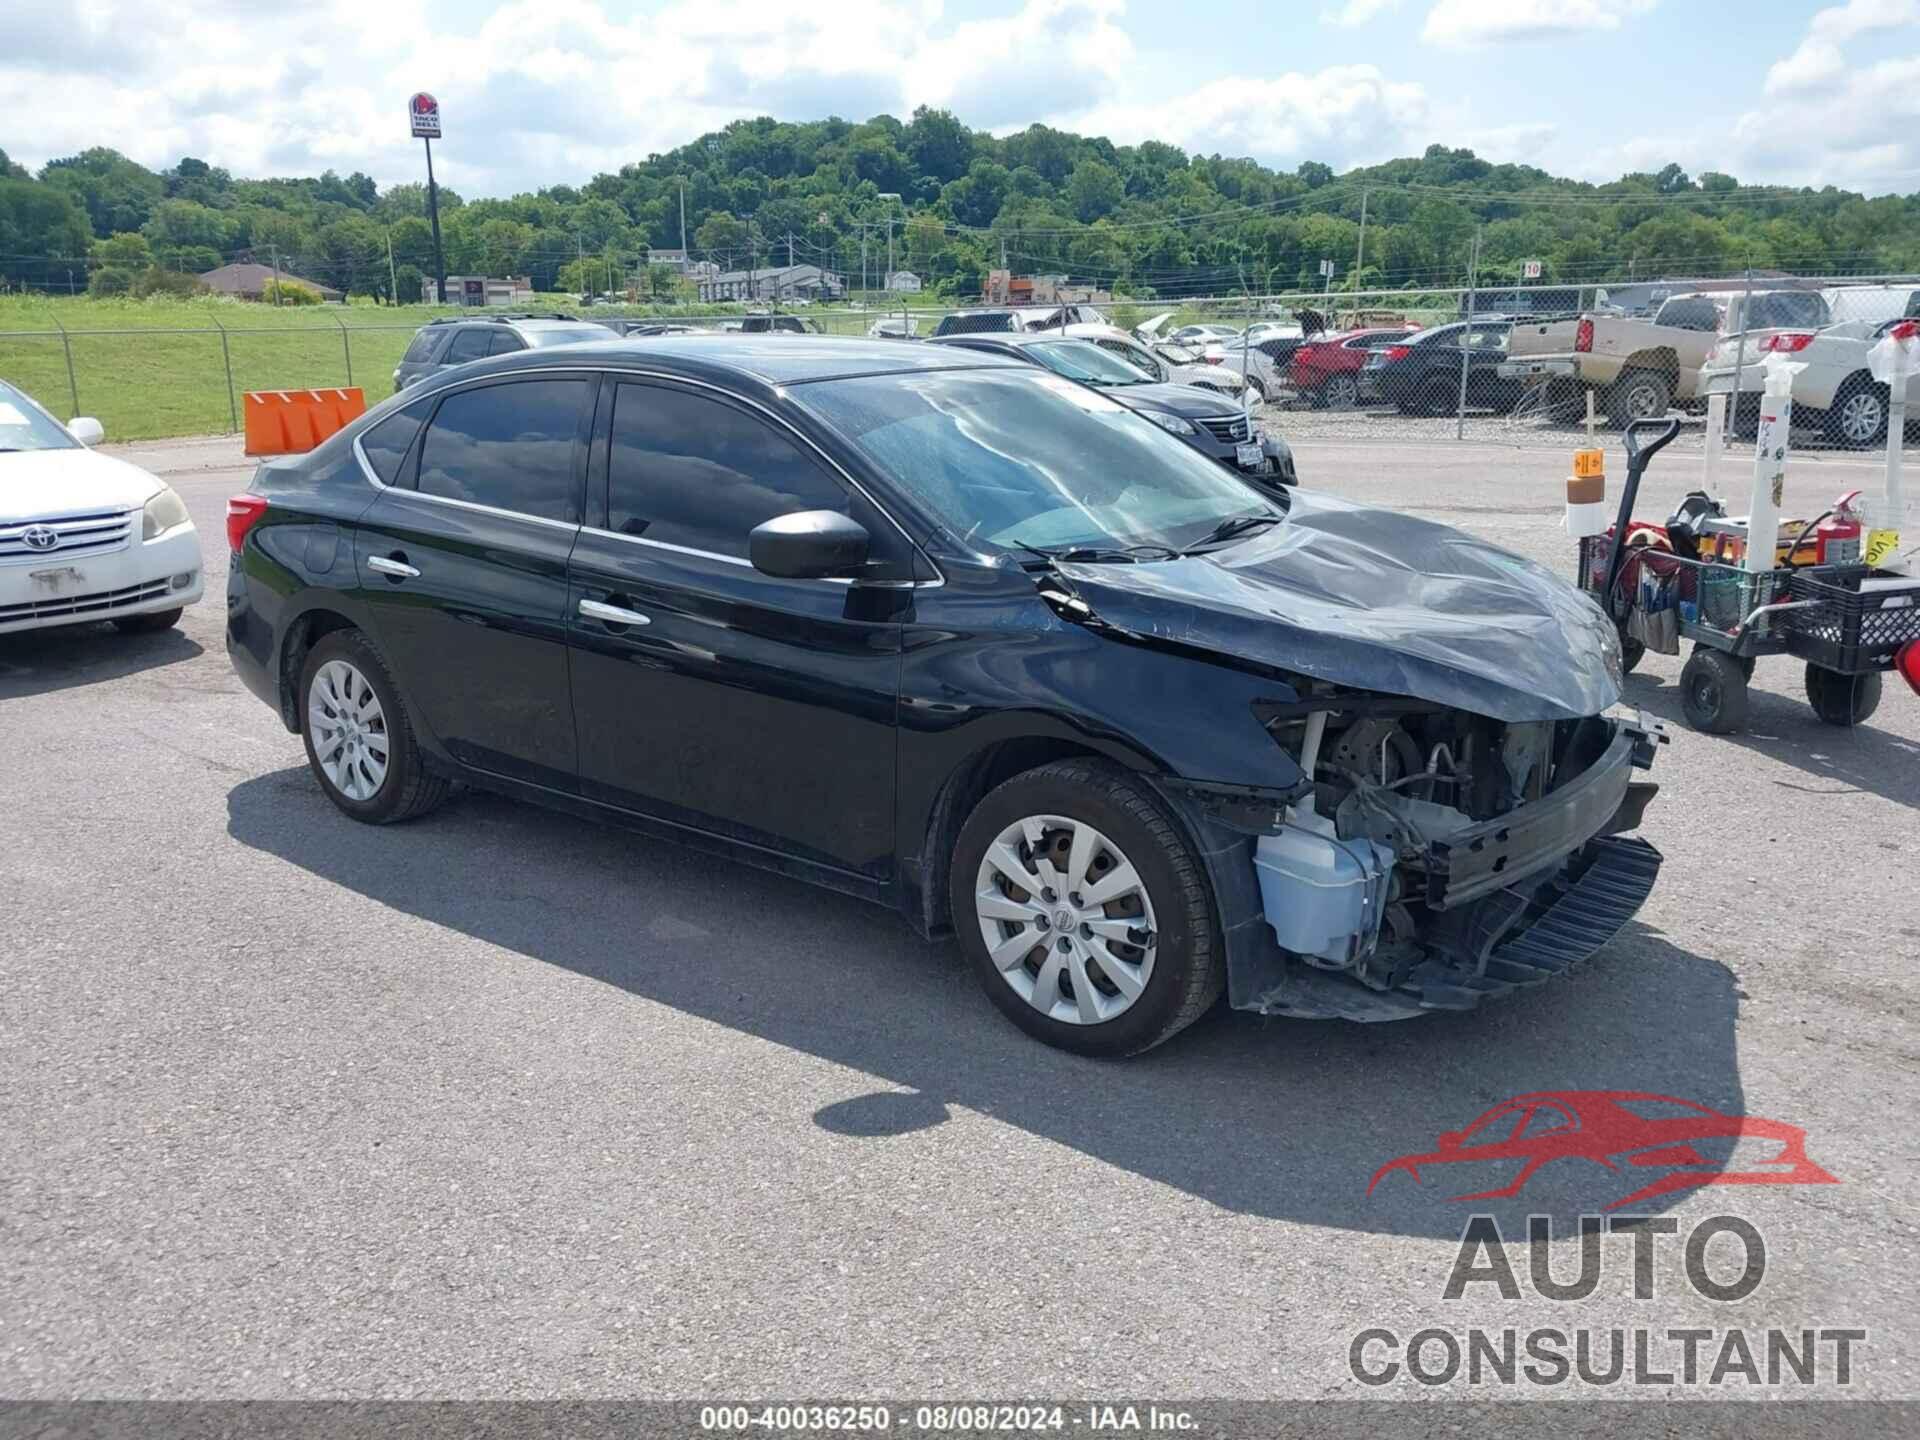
(779, 325)
(1835, 392)
(85, 537)
(1641, 368)
(458, 339)
(1169, 364)
(894, 327)
(1249, 362)
(647, 327)
(1325, 370)
(1215, 426)
(1420, 375)
(1015, 319)
(952, 633)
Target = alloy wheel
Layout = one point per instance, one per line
(1066, 919)
(1861, 416)
(349, 729)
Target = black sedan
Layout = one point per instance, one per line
(956, 635)
(1420, 375)
(1215, 426)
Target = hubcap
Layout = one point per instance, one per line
(349, 730)
(1860, 416)
(1066, 919)
(1641, 400)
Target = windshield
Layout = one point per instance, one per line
(24, 426)
(1022, 458)
(1082, 360)
(572, 335)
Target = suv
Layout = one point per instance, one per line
(457, 339)
(1016, 319)
(778, 325)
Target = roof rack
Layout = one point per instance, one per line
(502, 317)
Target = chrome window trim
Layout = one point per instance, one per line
(616, 374)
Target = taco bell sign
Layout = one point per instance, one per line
(423, 111)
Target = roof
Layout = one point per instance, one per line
(250, 279)
(774, 274)
(770, 359)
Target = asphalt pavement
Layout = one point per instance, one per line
(500, 1104)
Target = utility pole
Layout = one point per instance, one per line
(1360, 246)
(393, 276)
(684, 254)
(274, 251)
(789, 249)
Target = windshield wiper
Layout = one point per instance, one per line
(1100, 554)
(1232, 526)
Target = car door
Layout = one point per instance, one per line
(706, 693)
(469, 343)
(463, 569)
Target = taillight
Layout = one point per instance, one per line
(1788, 343)
(1583, 336)
(1213, 359)
(1397, 352)
(243, 513)
(1907, 662)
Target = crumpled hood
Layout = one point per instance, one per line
(1377, 600)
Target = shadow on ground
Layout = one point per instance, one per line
(1274, 1118)
(39, 662)
(1836, 761)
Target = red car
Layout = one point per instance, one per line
(1615, 1128)
(1326, 369)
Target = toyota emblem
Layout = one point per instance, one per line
(40, 537)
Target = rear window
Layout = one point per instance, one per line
(1689, 312)
(567, 335)
(468, 344)
(1788, 309)
(421, 350)
(998, 321)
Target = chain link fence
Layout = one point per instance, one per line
(1528, 366)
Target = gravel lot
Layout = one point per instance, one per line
(502, 1105)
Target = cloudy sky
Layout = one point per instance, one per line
(543, 91)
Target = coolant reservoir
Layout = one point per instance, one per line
(1323, 896)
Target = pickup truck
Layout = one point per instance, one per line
(1641, 367)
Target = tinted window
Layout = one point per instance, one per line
(505, 342)
(690, 471)
(468, 344)
(1788, 308)
(387, 443)
(1690, 312)
(508, 446)
(568, 335)
(421, 348)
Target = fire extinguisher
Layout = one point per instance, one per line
(1836, 539)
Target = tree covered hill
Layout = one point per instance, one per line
(1148, 219)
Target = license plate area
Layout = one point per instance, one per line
(1249, 455)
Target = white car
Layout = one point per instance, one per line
(1161, 367)
(1836, 392)
(85, 537)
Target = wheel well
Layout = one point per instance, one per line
(305, 632)
(965, 788)
(1664, 362)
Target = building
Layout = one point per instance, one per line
(904, 282)
(1003, 287)
(776, 282)
(677, 261)
(480, 290)
(249, 281)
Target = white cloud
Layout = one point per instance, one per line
(1344, 115)
(1818, 61)
(1466, 23)
(1357, 12)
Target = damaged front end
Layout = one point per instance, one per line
(1437, 859)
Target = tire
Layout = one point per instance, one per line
(404, 788)
(1341, 392)
(1857, 419)
(1713, 692)
(1632, 652)
(1843, 700)
(151, 623)
(1639, 395)
(1165, 976)
(1439, 396)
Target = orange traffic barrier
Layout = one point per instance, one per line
(292, 422)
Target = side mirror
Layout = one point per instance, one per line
(86, 429)
(809, 545)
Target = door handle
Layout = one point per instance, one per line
(612, 614)
(394, 565)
